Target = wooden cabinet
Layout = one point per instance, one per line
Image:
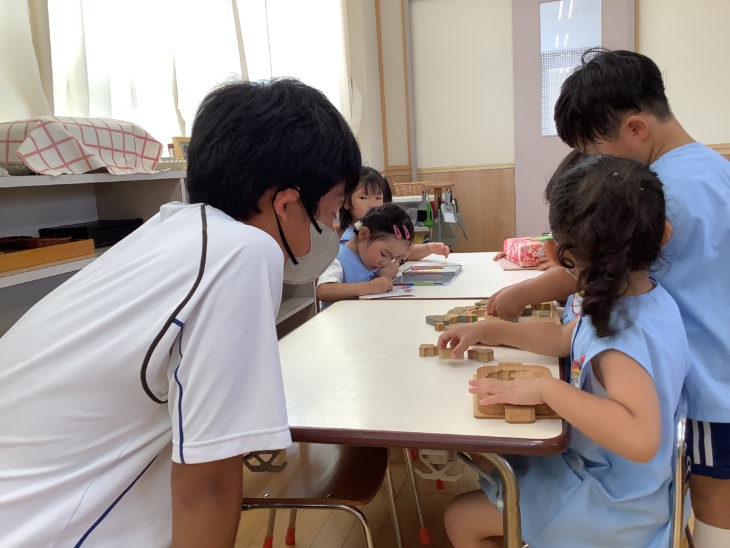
(28, 203)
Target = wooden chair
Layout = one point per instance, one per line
(681, 484)
(335, 477)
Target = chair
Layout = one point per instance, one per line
(336, 477)
(681, 484)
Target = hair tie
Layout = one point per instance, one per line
(358, 226)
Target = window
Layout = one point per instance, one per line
(154, 70)
(567, 29)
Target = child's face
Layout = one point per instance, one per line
(330, 204)
(376, 254)
(362, 201)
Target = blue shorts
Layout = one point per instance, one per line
(708, 448)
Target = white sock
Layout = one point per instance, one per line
(707, 536)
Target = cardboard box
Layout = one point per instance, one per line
(16, 260)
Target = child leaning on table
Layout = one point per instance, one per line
(384, 236)
(372, 191)
(631, 358)
(568, 161)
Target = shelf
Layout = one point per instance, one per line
(292, 305)
(406, 199)
(23, 181)
(31, 274)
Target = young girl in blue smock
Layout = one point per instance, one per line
(382, 238)
(372, 191)
(612, 486)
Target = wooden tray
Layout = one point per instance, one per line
(510, 371)
(16, 260)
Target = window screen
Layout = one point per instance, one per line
(567, 29)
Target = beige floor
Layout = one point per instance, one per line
(325, 529)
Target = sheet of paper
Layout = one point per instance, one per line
(436, 262)
(398, 291)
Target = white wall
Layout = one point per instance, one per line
(691, 44)
(363, 57)
(462, 62)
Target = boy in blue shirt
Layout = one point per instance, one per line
(615, 104)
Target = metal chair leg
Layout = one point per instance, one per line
(423, 532)
(391, 496)
(291, 531)
(510, 495)
(269, 538)
(352, 510)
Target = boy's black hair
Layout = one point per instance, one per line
(609, 213)
(386, 221)
(607, 86)
(373, 183)
(249, 137)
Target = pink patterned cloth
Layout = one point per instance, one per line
(524, 252)
(52, 145)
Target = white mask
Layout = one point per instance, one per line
(323, 249)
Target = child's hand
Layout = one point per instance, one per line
(516, 392)
(546, 262)
(499, 256)
(461, 337)
(381, 284)
(390, 271)
(438, 248)
(506, 303)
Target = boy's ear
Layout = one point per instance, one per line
(283, 201)
(668, 232)
(637, 127)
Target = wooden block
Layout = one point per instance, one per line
(427, 350)
(451, 318)
(459, 310)
(445, 354)
(527, 311)
(481, 312)
(519, 414)
(544, 313)
(436, 318)
(482, 303)
(541, 306)
(467, 318)
(483, 355)
(439, 326)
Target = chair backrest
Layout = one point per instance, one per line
(681, 478)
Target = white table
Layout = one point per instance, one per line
(352, 375)
(479, 278)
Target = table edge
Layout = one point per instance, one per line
(449, 442)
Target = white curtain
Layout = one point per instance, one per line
(151, 62)
(144, 61)
(21, 87)
(307, 40)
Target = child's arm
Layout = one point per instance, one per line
(627, 421)
(555, 284)
(331, 292)
(548, 339)
(419, 251)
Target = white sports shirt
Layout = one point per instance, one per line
(84, 452)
